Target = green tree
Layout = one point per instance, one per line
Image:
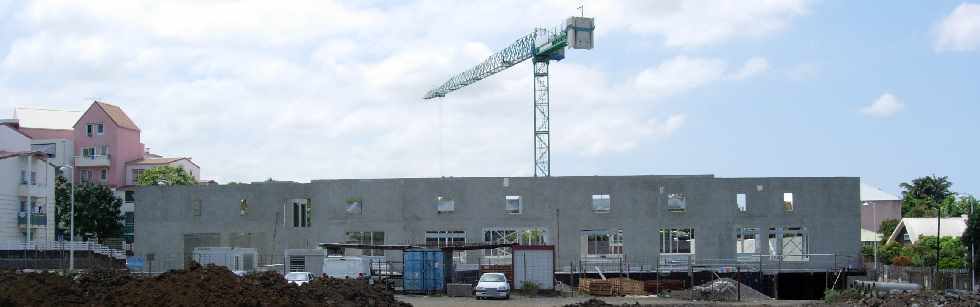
(96, 210)
(950, 249)
(972, 231)
(921, 196)
(886, 228)
(165, 175)
(888, 252)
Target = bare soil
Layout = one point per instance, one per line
(210, 286)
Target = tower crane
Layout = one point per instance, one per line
(541, 46)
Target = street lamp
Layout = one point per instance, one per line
(71, 227)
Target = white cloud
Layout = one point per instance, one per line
(751, 68)
(679, 74)
(698, 23)
(324, 89)
(960, 31)
(885, 106)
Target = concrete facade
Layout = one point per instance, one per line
(172, 220)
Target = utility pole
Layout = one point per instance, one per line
(939, 219)
(973, 264)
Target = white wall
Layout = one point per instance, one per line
(183, 163)
(13, 141)
(10, 141)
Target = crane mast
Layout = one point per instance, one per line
(542, 46)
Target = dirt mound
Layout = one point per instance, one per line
(928, 298)
(591, 303)
(210, 286)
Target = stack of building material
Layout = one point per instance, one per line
(601, 287)
(611, 287)
(628, 286)
(583, 284)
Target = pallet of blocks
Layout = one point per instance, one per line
(627, 286)
(602, 288)
(583, 284)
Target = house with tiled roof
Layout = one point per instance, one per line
(108, 151)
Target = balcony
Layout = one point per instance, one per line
(96, 160)
(36, 219)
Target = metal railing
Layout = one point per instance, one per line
(64, 246)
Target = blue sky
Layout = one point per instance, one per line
(886, 91)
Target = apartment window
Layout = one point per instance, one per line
(448, 238)
(600, 203)
(740, 202)
(243, 207)
(677, 202)
(302, 213)
(85, 175)
(196, 207)
(512, 204)
(137, 172)
(789, 242)
(602, 243)
(367, 238)
(104, 174)
(297, 264)
(677, 241)
(99, 128)
(445, 204)
(745, 242)
(89, 129)
(355, 206)
(88, 152)
(23, 176)
(129, 196)
(103, 150)
(788, 202)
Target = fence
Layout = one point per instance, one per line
(764, 272)
(927, 277)
(63, 245)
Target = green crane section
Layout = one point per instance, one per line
(543, 46)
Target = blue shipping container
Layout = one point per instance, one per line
(424, 270)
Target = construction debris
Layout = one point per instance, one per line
(211, 286)
(726, 289)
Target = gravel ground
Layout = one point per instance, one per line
(516, 300)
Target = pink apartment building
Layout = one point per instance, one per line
(109, 151)
(105, 139)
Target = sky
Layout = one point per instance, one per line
(301, 90)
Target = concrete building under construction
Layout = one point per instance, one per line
(806, 224)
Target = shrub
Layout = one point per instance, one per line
(529, 287)
(902, 261)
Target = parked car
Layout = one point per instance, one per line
(299, 278)
(492, 285)
(347, 267)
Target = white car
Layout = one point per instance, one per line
(299, 278)
(492, 285)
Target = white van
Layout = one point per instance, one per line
(347, 267)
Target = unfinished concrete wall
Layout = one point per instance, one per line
(405, 209)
